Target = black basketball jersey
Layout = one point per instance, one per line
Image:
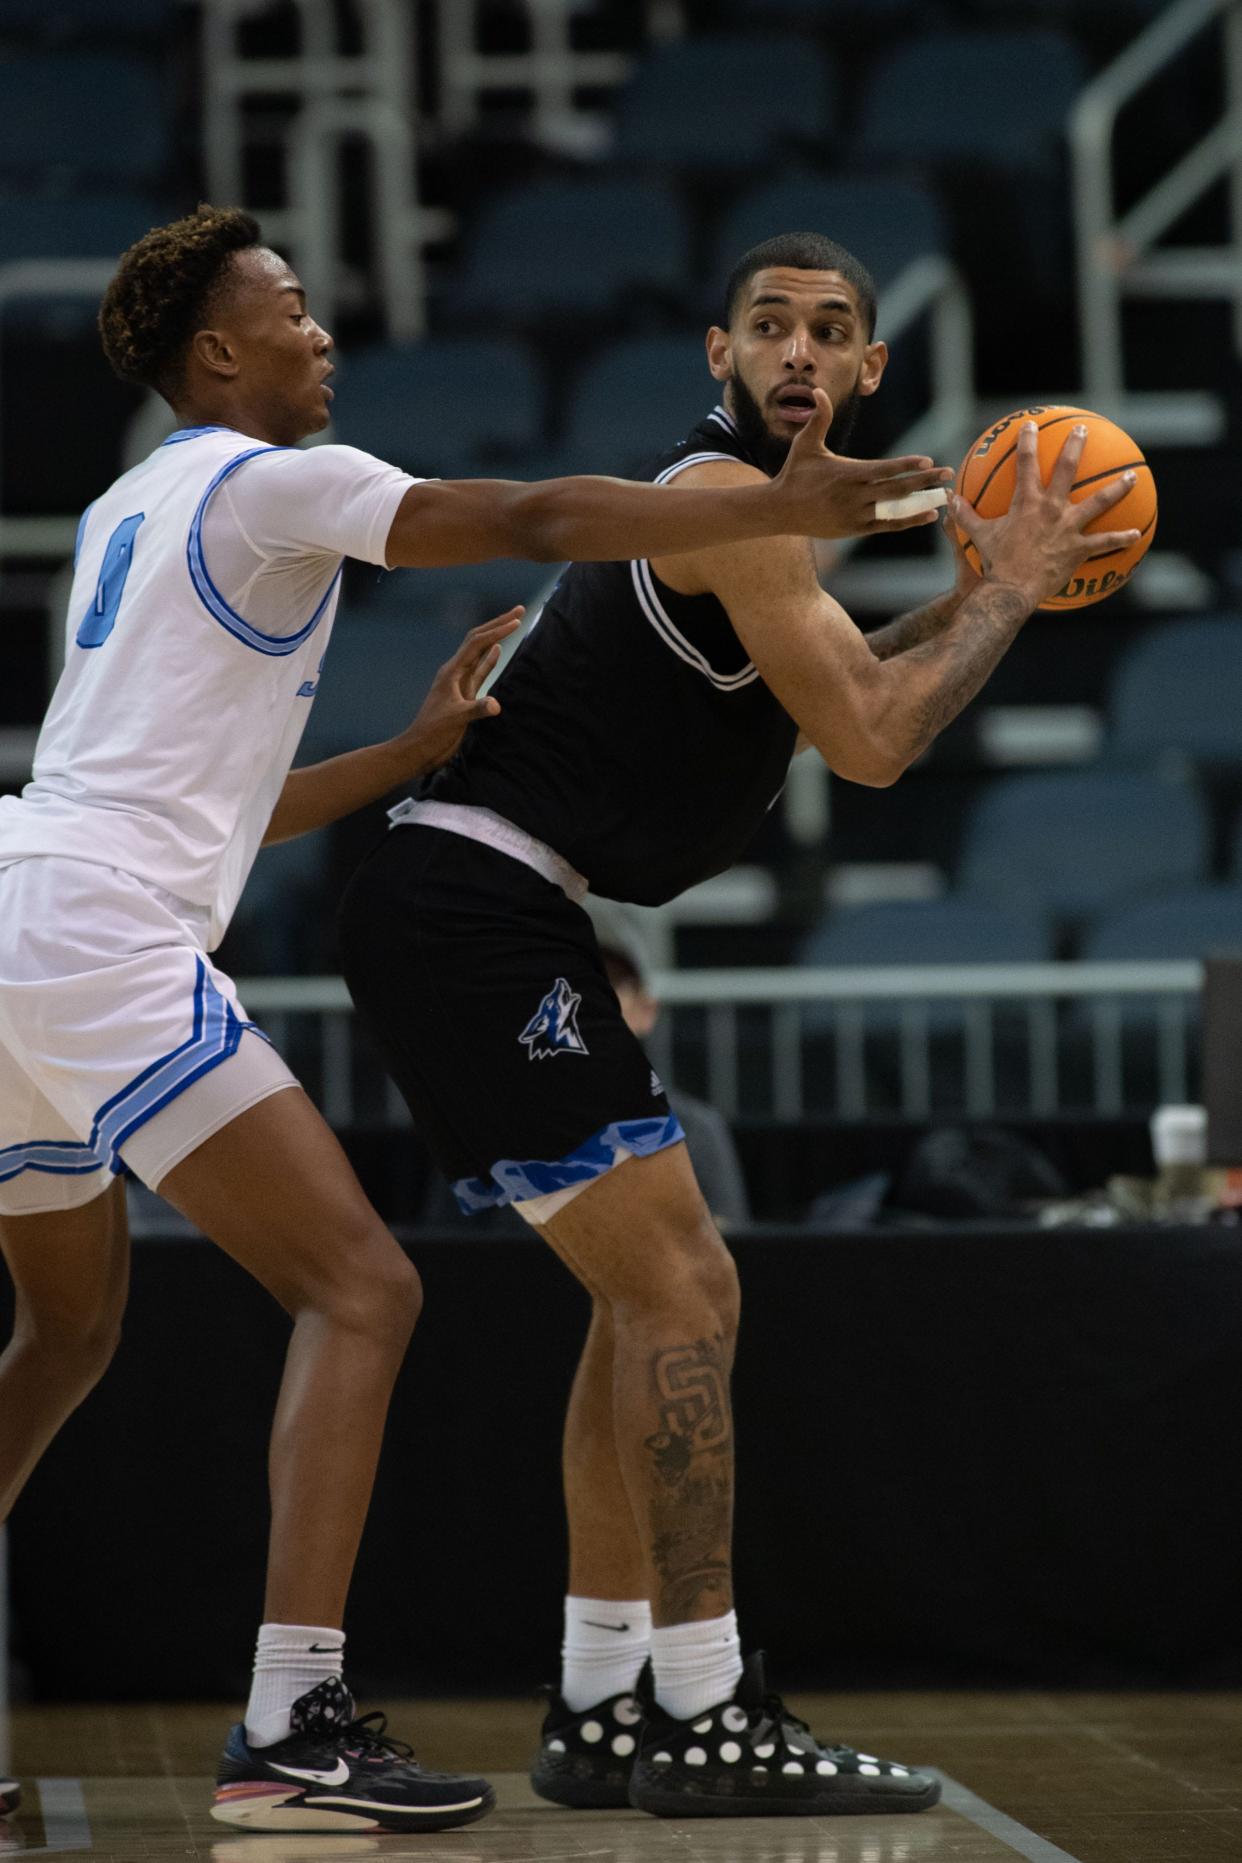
(636, 737)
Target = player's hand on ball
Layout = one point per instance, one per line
(1039, 542)
(965, 576)
(453, 703)
(829, 495)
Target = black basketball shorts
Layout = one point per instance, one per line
(482, 985)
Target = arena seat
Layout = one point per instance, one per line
(60, 20)
(893, 222)
(1071, 842)
(86, 118)
(953, 930)
(635, 400)
(448, 407)
(999, 97)
(460, 595)
(1176, 689)
(571, 246)
(377, 671)
(1188, 922)
(726, 102)
(284, 908)
(75, 226)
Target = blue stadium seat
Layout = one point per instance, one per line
(87, 117)
(996, 96)
(727, 102)
(954, 930)
(888, 224)
(636, 400)
(283, 899)
(75, 226)
(459, 596)
(1189, 922)
(65, 19)
(447, 407)
(571, 246)
(1072, 842)
(379, 667)
(1177, 689)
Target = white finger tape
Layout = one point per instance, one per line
(912, 503)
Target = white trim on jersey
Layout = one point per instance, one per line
(722, 417)
(662, 622)
(658, 615)
(209, 594)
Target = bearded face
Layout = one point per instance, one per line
(770, 449)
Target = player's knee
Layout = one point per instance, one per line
(690, 1277)
(718, 1288)
(383, 1295)
(75, 1345)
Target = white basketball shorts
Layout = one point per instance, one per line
(121, 1044)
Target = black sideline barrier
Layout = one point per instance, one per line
(966, 1456)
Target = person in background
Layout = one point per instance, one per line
(709, 1141)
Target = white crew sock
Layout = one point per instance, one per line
(289, 1659)
(697, 1666)
(606, 1644)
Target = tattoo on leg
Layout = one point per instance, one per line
(691, 1508)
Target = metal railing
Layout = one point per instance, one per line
(973, 1038)
(1116, 252)
(369, 94)
(551, 70)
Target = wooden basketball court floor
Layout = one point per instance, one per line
(1053, 1778)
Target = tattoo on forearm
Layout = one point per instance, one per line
(691, 1507)
(963, 656)
(913, 629)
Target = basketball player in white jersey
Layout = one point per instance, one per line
(205, 585)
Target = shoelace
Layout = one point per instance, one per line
(775, 1717)
(368, 1736)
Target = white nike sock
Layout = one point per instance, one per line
(289, 1659)
(697, 1666)
(606, 1644)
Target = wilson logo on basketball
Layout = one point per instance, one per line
(985, 444)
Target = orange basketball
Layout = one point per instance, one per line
(987, 475)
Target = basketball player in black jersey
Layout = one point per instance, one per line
(648, 723)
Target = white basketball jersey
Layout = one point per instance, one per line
(175, 721)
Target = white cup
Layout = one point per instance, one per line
(1179, 1136)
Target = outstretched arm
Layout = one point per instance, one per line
(816, 494)
(326, 792)
(870, 717)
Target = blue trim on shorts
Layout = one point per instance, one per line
(514, 1182)
(217, 1030)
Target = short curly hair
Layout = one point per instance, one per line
(162, 289)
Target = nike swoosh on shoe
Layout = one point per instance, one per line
(338, 1775)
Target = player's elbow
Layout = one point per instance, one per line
(864, 759)
(875, 772)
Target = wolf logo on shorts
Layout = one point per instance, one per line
(553, 1029)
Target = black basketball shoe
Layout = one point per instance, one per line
(750, 1758)
(335, 1773)
(586, 1759)
(10, 1796)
